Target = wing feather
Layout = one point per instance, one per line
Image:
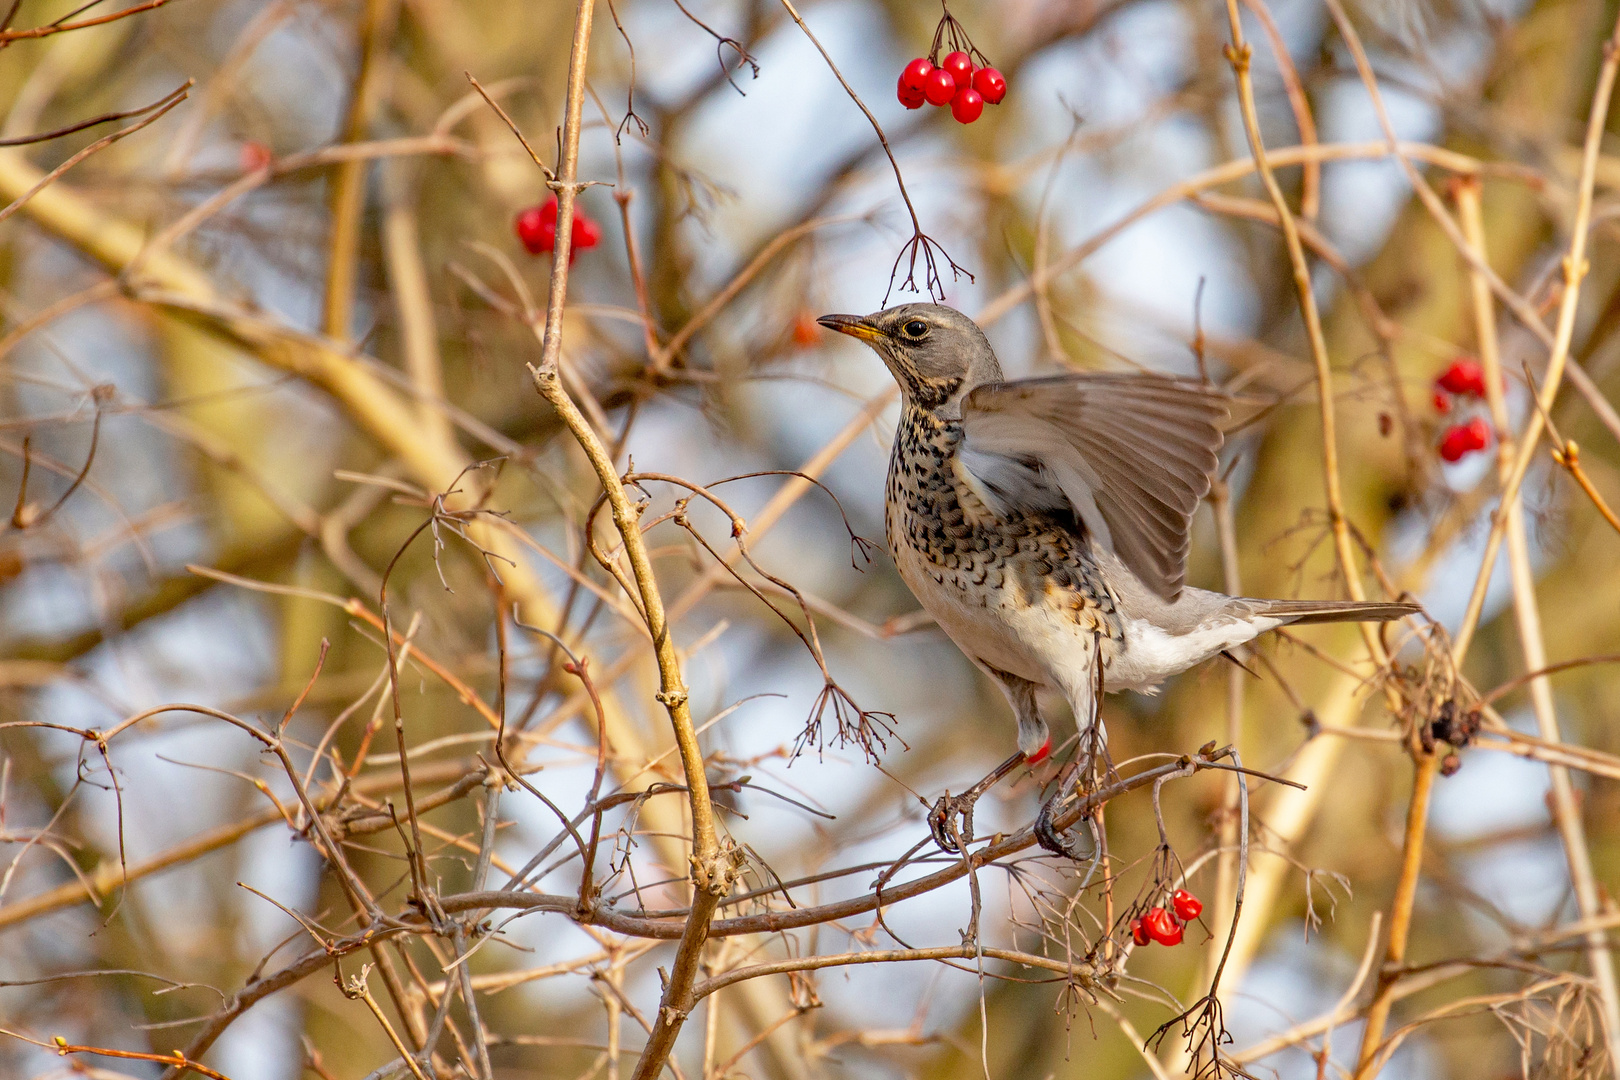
(1131, 455)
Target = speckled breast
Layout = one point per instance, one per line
(958, 546)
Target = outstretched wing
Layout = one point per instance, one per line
(1130, 454)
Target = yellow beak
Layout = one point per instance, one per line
(853, 325)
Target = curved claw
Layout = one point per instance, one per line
(939, 820)
(949, 806)
(1058, 843)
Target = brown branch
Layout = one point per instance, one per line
(176, 1060)
(1569, 456)
(109, 876)
(1231, 171)
(8, 36)
(355, 608)
(346, 203)
(1400, 916)
(1310, 194)
(717, 303)
(1574, 267)
(356, 988)
(1082, 973)
(564, 183)
(1239, 56)
(919, 239)
(95, 121)
(1566, 813)
(712, 869)
(1551, 669)
(174, 98)
(670, 928)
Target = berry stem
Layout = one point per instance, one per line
(918, 237)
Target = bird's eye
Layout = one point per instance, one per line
(916, 329)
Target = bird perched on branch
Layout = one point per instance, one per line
(1044, 524)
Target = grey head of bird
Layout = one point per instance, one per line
(936, 353)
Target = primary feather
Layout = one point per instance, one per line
(1131, 455)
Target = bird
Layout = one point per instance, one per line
(1044, 524)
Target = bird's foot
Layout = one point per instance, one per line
(944, 819)
(1047, 834)
(1058, 842)
(945, 814)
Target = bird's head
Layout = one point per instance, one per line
(936, 354)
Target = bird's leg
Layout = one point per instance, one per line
(950, 807)
(1093, 762)
(1091, 759)
(1034, 744)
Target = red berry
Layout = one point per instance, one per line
(960, 66)
(1442, 402)
(910, 97)
(1040, 755)
(806, 331)
(254, 156)
(991, 85)
(1139, 933)
(586, 234)
(967, 105)
(1455, 443)
(916, 73)
(939, 87)
(1463, 439)
(1161, 927)
(536, 229)
(1188, 907)
(1463, 377)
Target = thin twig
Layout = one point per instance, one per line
(346, 203)
(1566, 811)
(1239, 55)
(920, 240)
(712, 869)
(174, 98)
(1569, 456)
(8, 36)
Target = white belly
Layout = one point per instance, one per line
(1047, 647)
(1150, 655)
(1035, 643)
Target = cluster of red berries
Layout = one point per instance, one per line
(536, 228)
(956, 82)
(1460, 440)
(1166, 926)
(1464, 380)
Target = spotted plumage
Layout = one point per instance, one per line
(938, 526)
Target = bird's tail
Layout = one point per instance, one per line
(1321, 611)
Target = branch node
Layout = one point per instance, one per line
(716, 874)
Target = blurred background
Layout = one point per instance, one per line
(260, 334)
